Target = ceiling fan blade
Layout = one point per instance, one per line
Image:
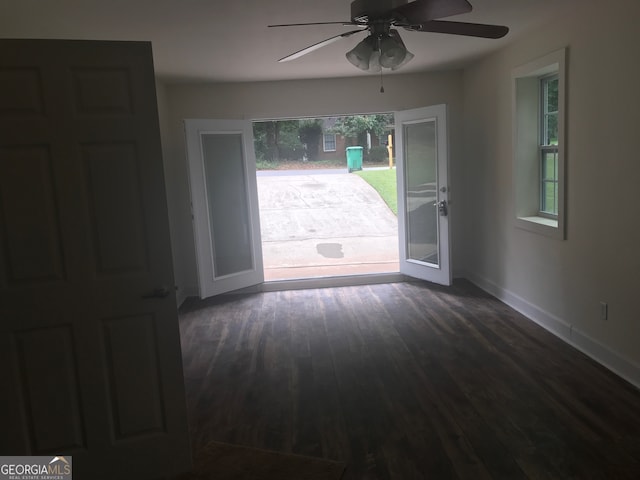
(318, 45)
(462, 28)
(421, 11)
(348, 22)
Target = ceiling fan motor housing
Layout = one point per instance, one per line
(364, 10)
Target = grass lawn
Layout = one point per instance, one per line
(384, 182)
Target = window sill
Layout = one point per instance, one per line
(549, 222)
(541, 225)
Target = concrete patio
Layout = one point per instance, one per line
(322, 223)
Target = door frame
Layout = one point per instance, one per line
(442, 275)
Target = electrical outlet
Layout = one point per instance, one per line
(604, 311)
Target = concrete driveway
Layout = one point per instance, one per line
(324, 223)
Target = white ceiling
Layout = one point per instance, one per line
(223, 41)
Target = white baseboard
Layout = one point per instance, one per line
(615, 362)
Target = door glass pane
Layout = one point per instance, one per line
(227, 202)
(421, 173)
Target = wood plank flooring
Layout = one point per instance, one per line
(405, 381)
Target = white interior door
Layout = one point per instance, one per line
(423, 193)
(90, 360)
(224, 198)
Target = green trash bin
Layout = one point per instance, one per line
(354, 158)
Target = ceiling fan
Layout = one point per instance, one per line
(383, 47)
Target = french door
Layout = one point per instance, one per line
(423, 193)
(224, 195)
(223, 182)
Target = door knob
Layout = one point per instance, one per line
(442, 208)
(161, 292)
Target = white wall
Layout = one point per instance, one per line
(560, 283)
(291, 99)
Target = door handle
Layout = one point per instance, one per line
(442, 208)
(161, 292)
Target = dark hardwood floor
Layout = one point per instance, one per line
(405, 381)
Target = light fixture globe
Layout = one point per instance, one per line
(392, 50)
(374, 62)
(360, 56)
(408, 55)
(407, 58)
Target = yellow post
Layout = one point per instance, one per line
(390, 149)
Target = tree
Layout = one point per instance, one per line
(289, 145)
(277, 140)
(310, 132)
(265, 136)
(357, 126)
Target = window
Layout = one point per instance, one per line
(538, 95)
(329, 142)
(549, 146)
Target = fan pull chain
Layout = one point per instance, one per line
(381, 83)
